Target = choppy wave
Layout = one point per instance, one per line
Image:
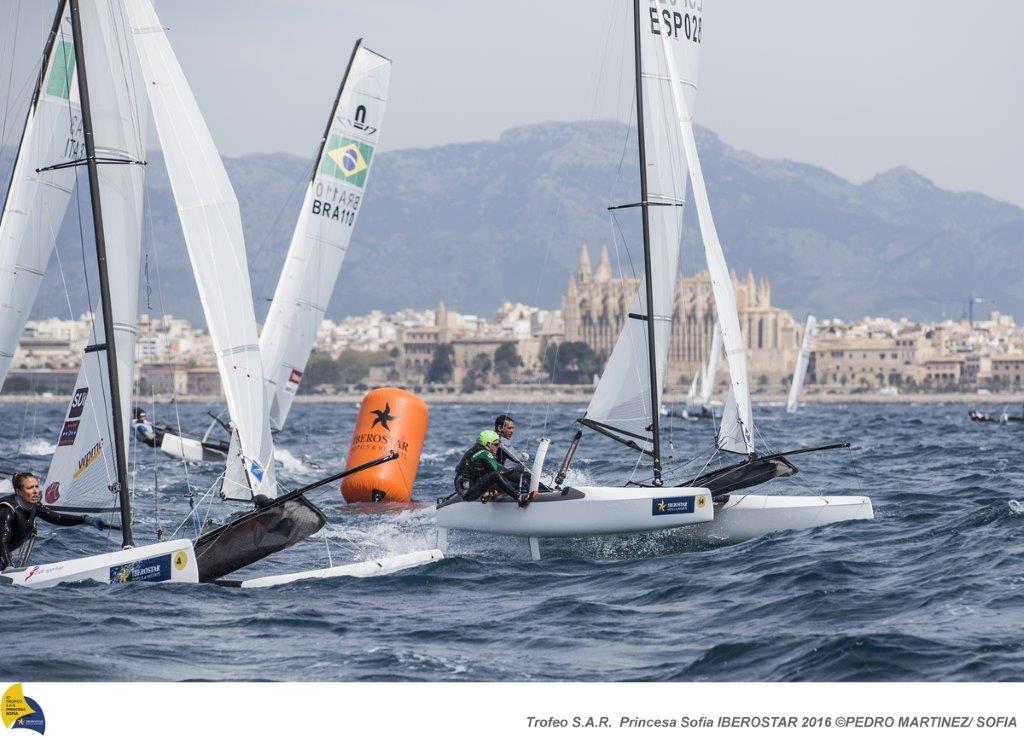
(931, 589)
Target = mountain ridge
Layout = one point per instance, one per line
(473, 223)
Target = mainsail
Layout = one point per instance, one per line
(721, 282)
(800, 371)
(212, 227)
(329, 210)
(38, 194)
(621, 405)
(82, 471)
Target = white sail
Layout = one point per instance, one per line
(329, 210)
(730, 431)
(38, 196)
(691, 393)
(622, 399)
(802, 359)
(721, 282)
(708, 387)
(83, 465)
(212, 226)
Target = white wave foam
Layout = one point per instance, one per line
(291, 463)
(376, 535)
(37, 447)
(1016, 507)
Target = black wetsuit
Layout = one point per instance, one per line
(517, 474)
(17, 524)
(478, 472)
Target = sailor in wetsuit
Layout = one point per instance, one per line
(512, 460)
(143, 428)
(19, 511)
(480, 476)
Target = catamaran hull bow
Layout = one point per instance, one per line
(747, 516)
(581, 511)
(363, 569)
(172, 561)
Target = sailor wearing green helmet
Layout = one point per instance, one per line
(479, 475)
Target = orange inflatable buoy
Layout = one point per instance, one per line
(389, 419)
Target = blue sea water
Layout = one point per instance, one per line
(931, 589)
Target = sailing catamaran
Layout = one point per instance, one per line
(319, 242)
(624, 403)
(83, 474)
(802, 359)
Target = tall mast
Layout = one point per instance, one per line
(651, 364)
(47, 51)
(109, 343)
(334, 108)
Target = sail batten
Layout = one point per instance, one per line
(325, 226)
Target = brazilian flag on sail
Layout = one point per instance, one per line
(346, 160)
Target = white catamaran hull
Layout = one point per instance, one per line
(580, 511)
(190, 449)
(171, 561)
(747, 516)
(363, 569)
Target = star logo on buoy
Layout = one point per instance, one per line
(662, 506)
(384, 416)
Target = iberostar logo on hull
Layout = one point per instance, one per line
(18, 711)
(346, 160)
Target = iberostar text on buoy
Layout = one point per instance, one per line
(389, 419)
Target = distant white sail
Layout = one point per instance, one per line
(708, 385)
(622, 400)
(212, 227)
(802, 359)
(36, 200)
(83, 465)
(721, 282)
(332, 203)
(691, 393)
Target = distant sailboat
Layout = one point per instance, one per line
(802, 359)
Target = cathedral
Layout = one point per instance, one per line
(597, 302)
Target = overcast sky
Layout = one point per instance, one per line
(856, 87)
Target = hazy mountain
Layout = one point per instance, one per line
(478, 222)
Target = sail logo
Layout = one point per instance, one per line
(257, 471)
(347, 160)
(68, 433)
(672, 505)
(294, 378)
(62, 72)
(18, 711)
(88, 459)
(78, 402)
(150, 569)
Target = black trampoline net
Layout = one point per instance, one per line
(257, 534)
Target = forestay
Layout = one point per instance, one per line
(82, 469)
(800, 371)
(212, 227)
(621, 404)
(721, 282)
(37, 196)
(333, 199)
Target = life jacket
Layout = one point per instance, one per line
(471, 469)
